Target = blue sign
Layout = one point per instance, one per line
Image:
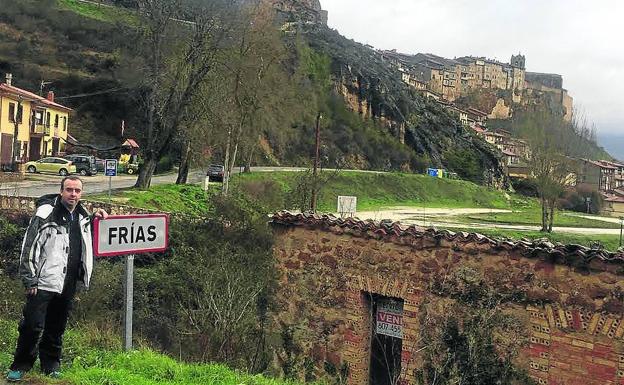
(433, 172)
(110, 167)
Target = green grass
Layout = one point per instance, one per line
(609, 242)
(533, 217)
(185, 199)
(99, 12)
(145, 367)
(92, 357)
(378, 190)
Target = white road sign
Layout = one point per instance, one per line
(390, 317)
(110, 167)
(347, 205)
(131, 234)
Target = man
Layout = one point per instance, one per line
(57, 254)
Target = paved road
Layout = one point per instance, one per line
(37, 185)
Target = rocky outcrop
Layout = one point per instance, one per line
(372, 88)
(299, 11)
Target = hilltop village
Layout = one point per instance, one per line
(451, 80)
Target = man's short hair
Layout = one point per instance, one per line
(70, 177)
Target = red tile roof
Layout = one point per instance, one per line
(131, 143)
(614, 199)
(12, 90)
(389, 231)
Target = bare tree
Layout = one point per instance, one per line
(550, 140)
(178, 56)
(251, 69)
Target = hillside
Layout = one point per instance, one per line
(46, 40)
(371, 119)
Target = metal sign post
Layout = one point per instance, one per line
(129, 302)
(110, 170)
(129, 235)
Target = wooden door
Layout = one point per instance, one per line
(6, 150)
(35, 149)
(55, 146)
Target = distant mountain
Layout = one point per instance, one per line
(613, 143)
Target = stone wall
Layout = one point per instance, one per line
(26, 205)
(572, 308)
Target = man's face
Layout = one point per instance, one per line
(71, 193)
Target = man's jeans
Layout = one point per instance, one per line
(45, 312)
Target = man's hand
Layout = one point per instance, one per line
(101, 213)
(32, 291)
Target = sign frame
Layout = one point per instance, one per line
(347, 205)
(110, 171)
(96, 235)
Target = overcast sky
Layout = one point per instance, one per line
(580, 39)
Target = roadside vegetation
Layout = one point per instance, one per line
(95, 359)
(101, 12)
(273, 191)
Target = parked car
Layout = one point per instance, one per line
(100, 164)
(85, 164)
(51, 164)
(215, 172)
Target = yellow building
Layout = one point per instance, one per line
(40, 123)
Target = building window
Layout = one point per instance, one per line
(47, 122)
(12, 112)
(64, 123)
(56, 120)
(13, 116)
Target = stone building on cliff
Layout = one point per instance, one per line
(454, 78)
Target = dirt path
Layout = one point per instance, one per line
(443, 218)
(413, 214)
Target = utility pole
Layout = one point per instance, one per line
(621, 228)
(316, 163)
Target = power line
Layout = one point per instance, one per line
(92, 93)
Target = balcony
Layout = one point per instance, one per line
(37, 129)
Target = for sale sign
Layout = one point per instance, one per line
(131, 234)
(389, 317)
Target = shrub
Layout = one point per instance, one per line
(165, 164)
(576, 200)
(526, 187)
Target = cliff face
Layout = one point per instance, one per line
(372, 88)
(305, 11)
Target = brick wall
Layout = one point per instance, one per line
(572, 312)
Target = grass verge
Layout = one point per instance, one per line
(533, 217)
(609, 242)
(101, 12)
(376, 190)
(92, 358)
(173, 198)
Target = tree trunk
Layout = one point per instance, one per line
(250, 158)
(147, 171)
(226, 173)
(544, 215)
(16, 150)
(551, 219)
(184, 164)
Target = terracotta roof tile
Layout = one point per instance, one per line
(563, 254)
